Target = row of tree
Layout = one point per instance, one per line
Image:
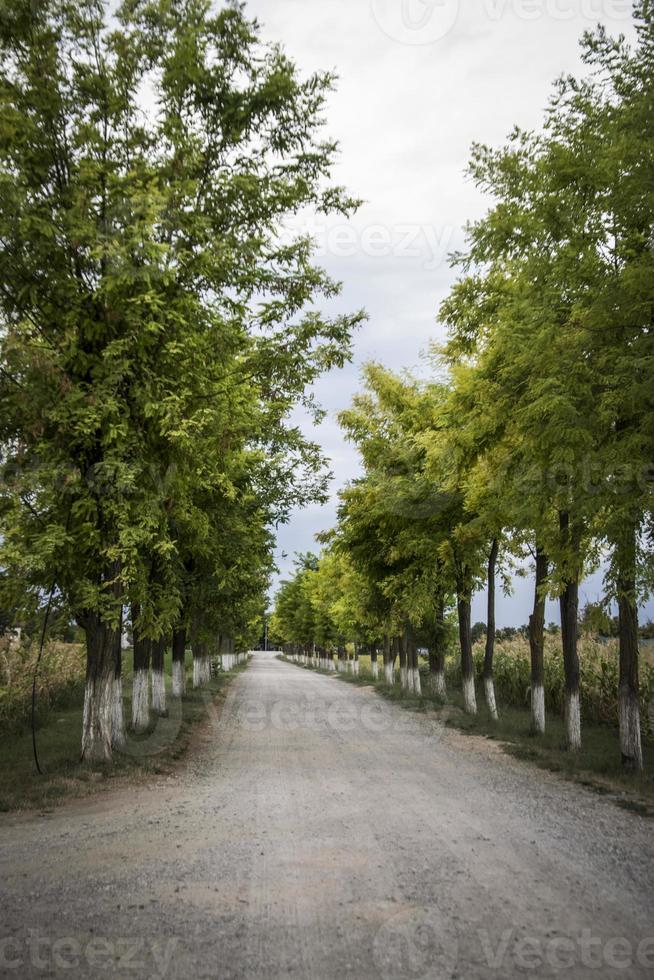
(157, 328)
(538, 436)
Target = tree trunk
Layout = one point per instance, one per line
(374, 666)
(97, 721)
(404, 675)
(413, 667)
(489, 684)
(569, 602)
(465, 641)
(536, 645)
(140, 680)
(342, 661)
(437, 652)
(629, 683)
(437, 682)
(396, 656)
(179, 662)
(388, 661)
(199, 658)
(118, 736)
(206, 662)
(159, 677)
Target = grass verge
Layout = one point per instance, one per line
(154, 752)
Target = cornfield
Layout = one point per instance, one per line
(599, 678)
(61, 676)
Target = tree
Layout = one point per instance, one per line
(152, 319)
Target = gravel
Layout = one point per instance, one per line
(317, 831)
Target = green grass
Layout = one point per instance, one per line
(597, 766)
(58, 743)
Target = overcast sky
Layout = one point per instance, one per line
(418, 83)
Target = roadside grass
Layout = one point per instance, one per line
(153, 752)
(597, 766)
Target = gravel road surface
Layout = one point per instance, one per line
(317, 831)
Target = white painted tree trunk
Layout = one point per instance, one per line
(404, 680)
(489, 693)
(118, 736)
(140, 701)
(469, 696)
(97, 718)
(389, 673)
(158, 692)
(438, 683)
(573, 721)
(355, 668)
(417, 686)
(630, 738)
(179, 679)
(197, 672)
(375, 670)
(538, 708)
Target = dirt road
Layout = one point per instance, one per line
(320, 832)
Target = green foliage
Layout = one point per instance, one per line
(156, 330)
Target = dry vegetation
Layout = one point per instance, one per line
(60, 679)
